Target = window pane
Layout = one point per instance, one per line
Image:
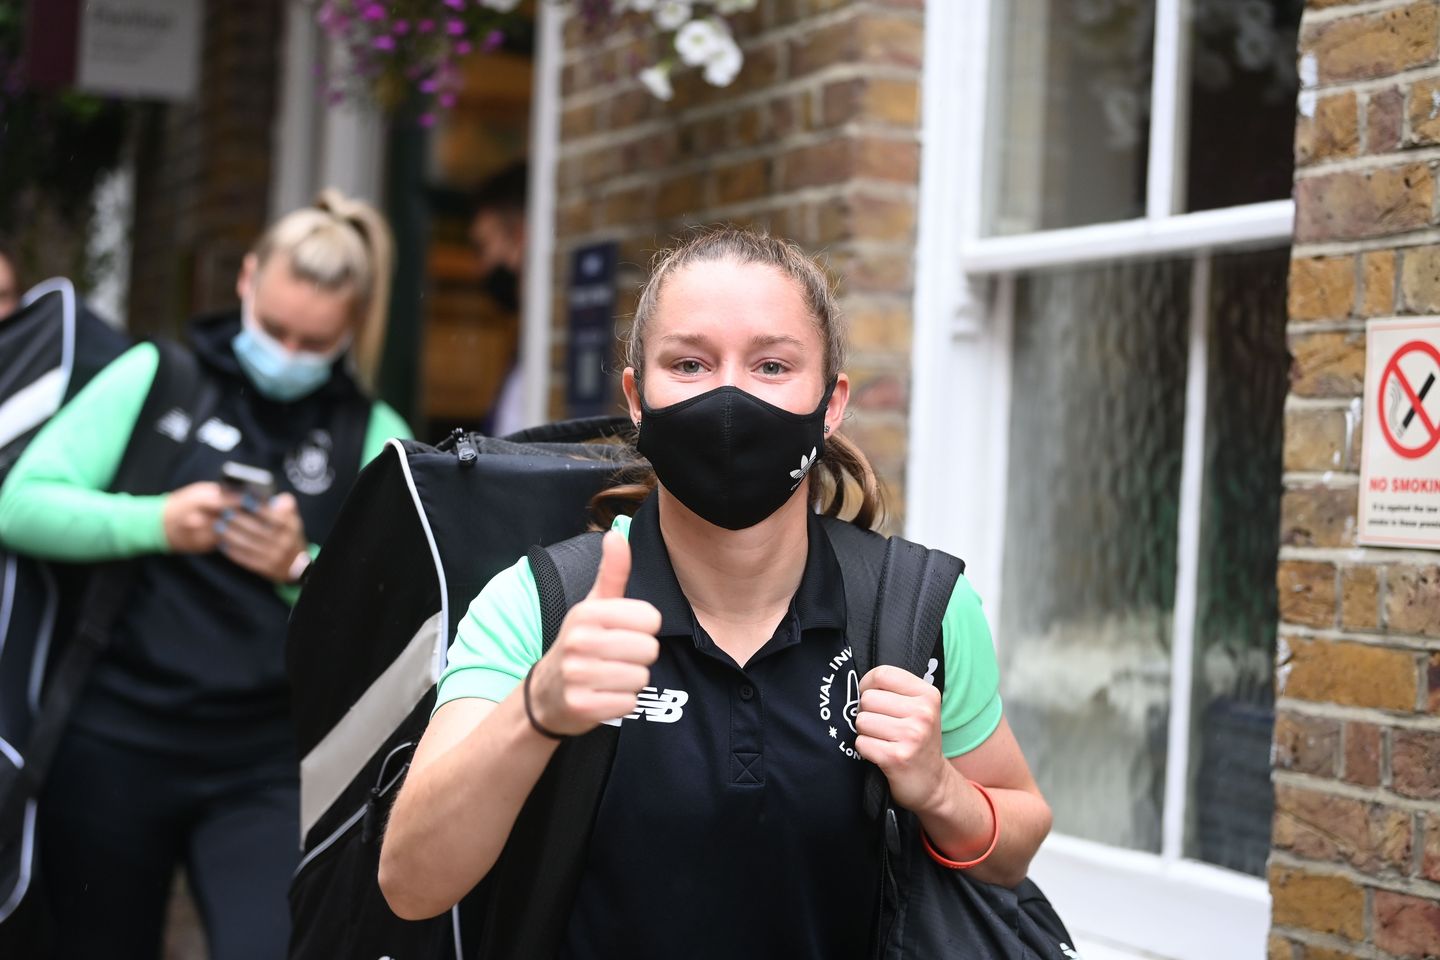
(1096, 438)
(1242, 101)
(1230, 795)
(1069, 117)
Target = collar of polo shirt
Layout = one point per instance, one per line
(819, 602)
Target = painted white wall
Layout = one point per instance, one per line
(108, 246)
(316, 145)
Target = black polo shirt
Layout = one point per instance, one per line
(732, 825)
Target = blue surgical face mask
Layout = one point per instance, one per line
(278, 373)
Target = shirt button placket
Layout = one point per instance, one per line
(747, 767)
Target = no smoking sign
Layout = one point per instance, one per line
(1404, 404)
(1400, 460)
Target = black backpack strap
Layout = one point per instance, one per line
(533, 884)
(564, 574)
(896, 593)
(179, 385)
(144, 468)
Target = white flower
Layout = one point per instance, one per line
(698, 41)
(639, 6)
(727, 7)
(504, 6)
(657, 81)
(723, 65)
(805, 464)
(672, 14)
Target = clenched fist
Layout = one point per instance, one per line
(898, 729)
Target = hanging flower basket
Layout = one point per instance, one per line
(400, 52)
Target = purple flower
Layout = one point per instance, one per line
(426, 120)
(400, 28)
(429, 85)
(425, 26)
(455, 4)
(447, 100)
(383, 42)
(464, 47)
(455, 28)
(494, 40)
(374, 11)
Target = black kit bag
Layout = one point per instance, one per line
(49, 348)
(55, 619)
(423, 529)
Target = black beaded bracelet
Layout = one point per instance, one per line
(530, 713)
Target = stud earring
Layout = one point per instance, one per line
(827, 428)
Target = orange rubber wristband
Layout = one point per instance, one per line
(944, 861)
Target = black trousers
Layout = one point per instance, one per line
(115, 822)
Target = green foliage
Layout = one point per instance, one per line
(57, 144)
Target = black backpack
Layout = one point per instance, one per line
(56, 618)
(424, 528)
(49, 348)
(384, 577)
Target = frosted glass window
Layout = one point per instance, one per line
(1096, 442)
(1243, 84)
(1069, 117)
(1230, 797)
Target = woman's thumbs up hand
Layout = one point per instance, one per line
(601, 659)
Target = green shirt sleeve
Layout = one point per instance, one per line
(499, 639)
(497, 642)
(54, 504)
(384, 424)
(970, 707)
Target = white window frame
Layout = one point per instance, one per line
(1118, 903)
(536, 320)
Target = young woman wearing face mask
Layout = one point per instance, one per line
(180, 750)
(732, 823)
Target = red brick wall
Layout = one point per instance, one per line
(1356, 864)
(817, 140)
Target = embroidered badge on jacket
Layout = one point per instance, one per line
(308, 466)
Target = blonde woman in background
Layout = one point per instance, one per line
(180, 750)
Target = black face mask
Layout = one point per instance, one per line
(730, 457)
(503, 286)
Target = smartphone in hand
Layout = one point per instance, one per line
(245, 479)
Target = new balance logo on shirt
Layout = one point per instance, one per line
(657, 706)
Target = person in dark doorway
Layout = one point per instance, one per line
(497, 229)
(733, 827)
(9, 280)
(180, 750)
